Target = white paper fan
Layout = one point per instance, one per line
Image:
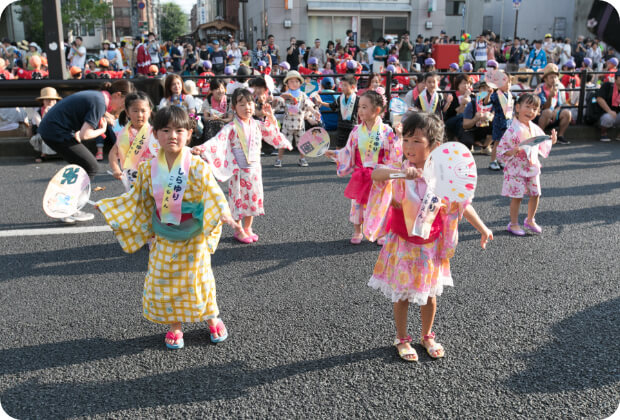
(67, 192)
(451, 172)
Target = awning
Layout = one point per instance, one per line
(328, 6)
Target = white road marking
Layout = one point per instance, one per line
(54, 231)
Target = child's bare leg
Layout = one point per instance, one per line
(175, 328)
(532, 206)
(515, 203)
(357, 229)
(280, 153)
(400, 320)
(427, 317)
(247, 224)
(494, 152)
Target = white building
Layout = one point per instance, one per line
(329, 20)
(10, 25)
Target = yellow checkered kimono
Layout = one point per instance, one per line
(179, 284)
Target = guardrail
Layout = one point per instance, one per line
(23, 93)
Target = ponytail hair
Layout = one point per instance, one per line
(125, 87)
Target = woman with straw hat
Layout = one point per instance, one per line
(48, 99)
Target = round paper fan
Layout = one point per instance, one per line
(398, 106)
(533, 141)
(67, 192)
(314, 142)
(451, 172)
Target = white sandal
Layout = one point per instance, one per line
(404, 352)
(435, 348)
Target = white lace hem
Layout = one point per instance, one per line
(414, 296)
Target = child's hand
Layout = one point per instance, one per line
(231, 222)
(554, 136)
(515, 151)
(449, 99)
(196, 150)
(117, 174)
(412, 173)
(331, 154)
(398, 130)
(485, 237)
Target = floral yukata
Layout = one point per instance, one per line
(522, 171)
(410, 267)
(179, 284)
(235, 156)
(363, 152)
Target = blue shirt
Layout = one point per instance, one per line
(500, 123)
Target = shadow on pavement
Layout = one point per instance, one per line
(83, 260)
(281, 254)
(207, 383)
(585, 354)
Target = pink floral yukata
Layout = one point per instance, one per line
(238, 162)
(521, 175)
(409, 267)
(360, 161)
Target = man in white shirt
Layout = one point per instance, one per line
(318, 52)
(153, 49)
(370, 48)
(77, 55)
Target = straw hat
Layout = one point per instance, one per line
(550, 69)
(190, 86)
(293, 74)
(523, 78)
(48, 93)
(105, 41)
(23, 44)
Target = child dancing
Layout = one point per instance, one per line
(235, 156)
(411, 268)
(522, 170)
(370, 143)
(176, 198)
(135, 143)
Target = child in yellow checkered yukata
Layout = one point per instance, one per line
(175, 198)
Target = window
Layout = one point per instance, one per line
(371, 29)
(395, 25)
(455, 7)
(487, 23)
(559, 27)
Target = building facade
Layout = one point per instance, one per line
(329, 20)
(10, 25)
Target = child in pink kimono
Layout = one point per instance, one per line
(415, 268)
(235, 156)
(522, 167)
(370, 143)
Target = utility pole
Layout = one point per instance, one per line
(133, 12)
(516, 21)
(54, 45)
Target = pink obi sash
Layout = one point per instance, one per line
(184, 217)
(396, 223)
(359, 186)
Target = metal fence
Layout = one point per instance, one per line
(23, 93)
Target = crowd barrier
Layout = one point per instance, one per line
(23, 93)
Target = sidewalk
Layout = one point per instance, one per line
(20, 146)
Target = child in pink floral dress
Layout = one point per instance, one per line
(370, 143)
(411, 268)
(522, 170)
(234, 155)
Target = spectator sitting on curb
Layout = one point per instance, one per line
(551, 100)
(608, 100)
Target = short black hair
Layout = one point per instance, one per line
(350, 79)
(375, 98)
(529, 98)
(79, 37)
(429, 75)
(429, 124)
(258, 82)
(172, 115)
(241, 93)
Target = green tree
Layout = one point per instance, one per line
(173, 21)
(73, 12)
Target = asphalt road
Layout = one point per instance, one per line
(531, 328)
